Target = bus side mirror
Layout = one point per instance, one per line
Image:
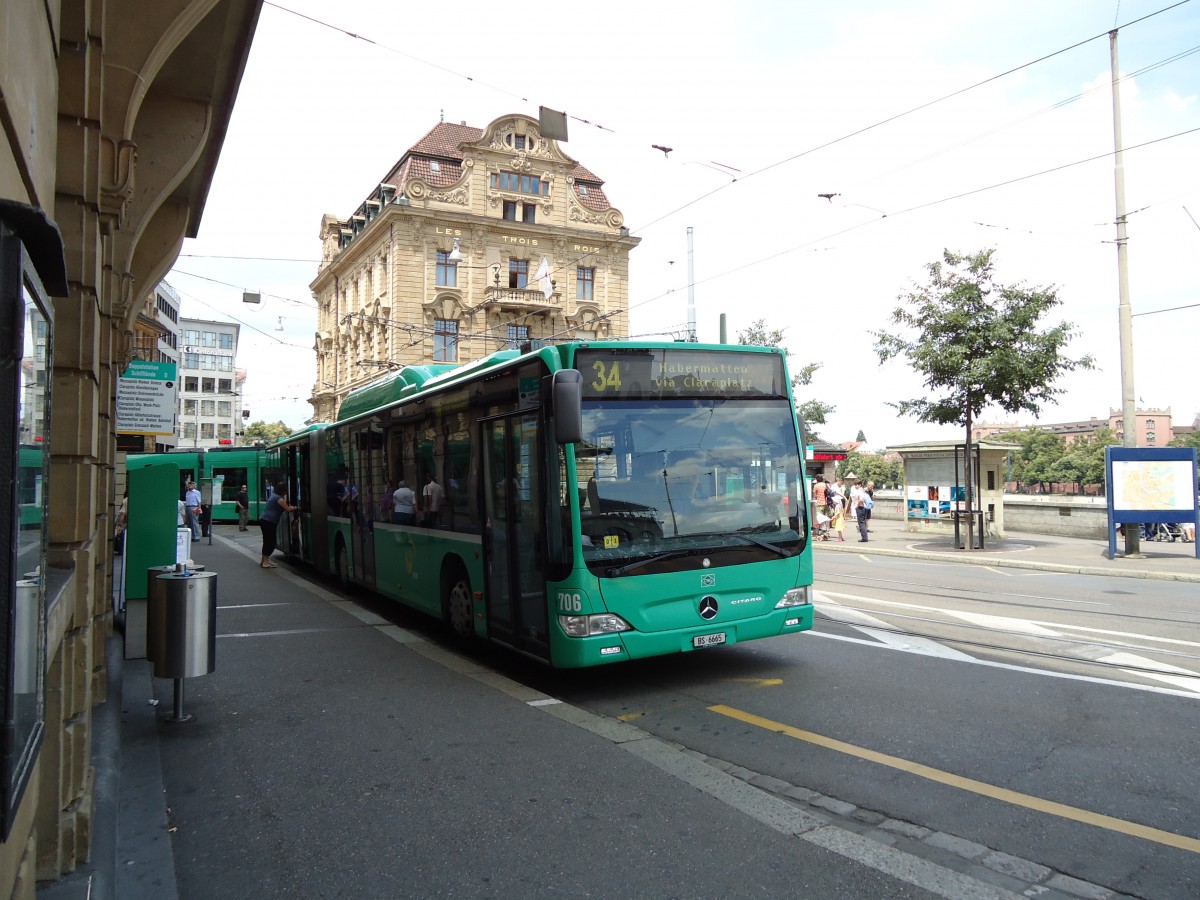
(566, 397)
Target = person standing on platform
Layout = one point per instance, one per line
(858, 509)
(837, 512)
(242, 501)
(273, 510)
(431, 498)
(192, 501)
(820, 498)
(404, 504)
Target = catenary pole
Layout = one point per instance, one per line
(1128, 397)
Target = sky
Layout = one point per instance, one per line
(936, 125)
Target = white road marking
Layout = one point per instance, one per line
(1162, 672)
(871, 625)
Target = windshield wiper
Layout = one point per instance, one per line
(639, 563)
(741, 533)
(774, 548)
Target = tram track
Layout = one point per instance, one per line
(1011, 599)
(1014, 647)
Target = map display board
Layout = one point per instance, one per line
(1150, 484)
(1153, 484)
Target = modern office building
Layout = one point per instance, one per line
(210, 385)
(476, 240)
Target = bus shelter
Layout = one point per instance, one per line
(935, 489)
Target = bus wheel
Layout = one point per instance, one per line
(457, 607)
(341, 566)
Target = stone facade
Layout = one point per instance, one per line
(441, 262)
(114, 116)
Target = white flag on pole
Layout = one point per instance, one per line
(542, 277)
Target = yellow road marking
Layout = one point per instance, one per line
(1028, 801)
(629, 717)
(761, 682)
(997, 571)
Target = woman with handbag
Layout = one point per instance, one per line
(273, 510)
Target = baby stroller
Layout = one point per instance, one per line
(821, 527)
(1164, 531)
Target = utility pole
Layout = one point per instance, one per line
(691, 290)
(1128, 397)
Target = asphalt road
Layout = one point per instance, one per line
(1050, 717)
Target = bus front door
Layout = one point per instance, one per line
(515, 585)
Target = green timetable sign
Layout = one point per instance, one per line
(146, 398)
(617, 374)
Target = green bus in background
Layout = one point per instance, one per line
(582, 503)
(225, 468)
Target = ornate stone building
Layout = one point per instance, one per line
(476, 240)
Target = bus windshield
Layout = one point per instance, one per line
(664, 478)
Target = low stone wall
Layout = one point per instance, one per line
(1069, 516)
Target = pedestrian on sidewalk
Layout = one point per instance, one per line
(870, 489)
(858, 509)
(838, 507)
(192, 500)
(277, 504)
(242, 501)
(820, 498)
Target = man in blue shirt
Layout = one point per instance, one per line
(192, 501)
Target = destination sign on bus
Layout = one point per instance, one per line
(669, 372)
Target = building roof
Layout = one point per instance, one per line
(443, 144)
(985, 443)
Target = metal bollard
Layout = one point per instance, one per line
(184, 642)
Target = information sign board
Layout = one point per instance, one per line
(146, 398)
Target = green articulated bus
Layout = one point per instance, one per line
(582, 503)
(225, 469)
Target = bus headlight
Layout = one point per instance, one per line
(584, 626)
(801, 596)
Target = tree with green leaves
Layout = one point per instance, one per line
(1191, 439)
(1083, 461)
(871, 467)
(261, 431)
(1039, 452)
(977, 343)
(812, 412)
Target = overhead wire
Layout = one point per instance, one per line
(791, 158)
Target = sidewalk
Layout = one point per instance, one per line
(335, 754)
(1082, 556)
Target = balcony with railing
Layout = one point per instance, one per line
(522, 300)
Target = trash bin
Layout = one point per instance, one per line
(152, 609)
(183, 643)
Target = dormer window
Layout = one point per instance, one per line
(583, 190)
(435, 166)
(520, 184)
